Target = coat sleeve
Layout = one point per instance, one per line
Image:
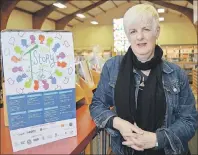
(102, 101)
(176, 137)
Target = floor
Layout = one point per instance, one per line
(193, 145)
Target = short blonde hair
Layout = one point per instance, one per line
(140, 11)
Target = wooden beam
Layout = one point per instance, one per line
(30, 13)
(181, 15)
(6, 9)
(22, 10)
(63, 13)
(69, 25)
(186, 4)
(154, 6)
(98, 7)
(60, 24)
(79, 9)
(39, 3)
(55, 22)
(186, 11)
(102, 9)
(114, 4)
(190, 1)
(40, 16)
(79, 20)
(166, 10)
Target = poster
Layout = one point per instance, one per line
(39, 72)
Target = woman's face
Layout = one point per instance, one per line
(143, 35)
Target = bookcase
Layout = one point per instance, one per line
(195, 79)
(185, 56)
(195, 85)
(180, 53)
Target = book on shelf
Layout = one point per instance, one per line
(96, 62)
(82, 70)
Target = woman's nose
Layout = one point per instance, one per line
(140, 36)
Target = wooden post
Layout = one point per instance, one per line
(6, 8)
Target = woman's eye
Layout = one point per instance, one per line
(147, 29)
(132, 32)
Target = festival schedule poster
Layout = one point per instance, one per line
(39, 73)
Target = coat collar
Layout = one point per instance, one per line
(166, 67)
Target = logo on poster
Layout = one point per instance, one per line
(35, 139)
(22, 142)
(71, 132)
(20, 134)
(29, 142)
(31, 131)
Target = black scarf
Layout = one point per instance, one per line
(150, 117)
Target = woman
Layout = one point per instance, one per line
(154, 106)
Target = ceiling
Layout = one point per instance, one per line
(32, 6)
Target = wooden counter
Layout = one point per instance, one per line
(86, 130)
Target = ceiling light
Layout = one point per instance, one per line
(94, 22)
(161, 19)
(60, 5)
(80, 15)
(161, 10)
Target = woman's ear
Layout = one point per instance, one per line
(157, 32)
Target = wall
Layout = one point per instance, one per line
(88, 36)
(67, 28)
(48, 25)
(195, 12)
(177, 30)
(21, 20)
(171, 33)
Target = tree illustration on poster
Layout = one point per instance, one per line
(47, 62)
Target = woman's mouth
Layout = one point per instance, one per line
(141, 45)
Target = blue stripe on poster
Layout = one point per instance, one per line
(35, 110)
(40, 108)
(34, 95)
(17, 113)
(17, 97)
(50, 108)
